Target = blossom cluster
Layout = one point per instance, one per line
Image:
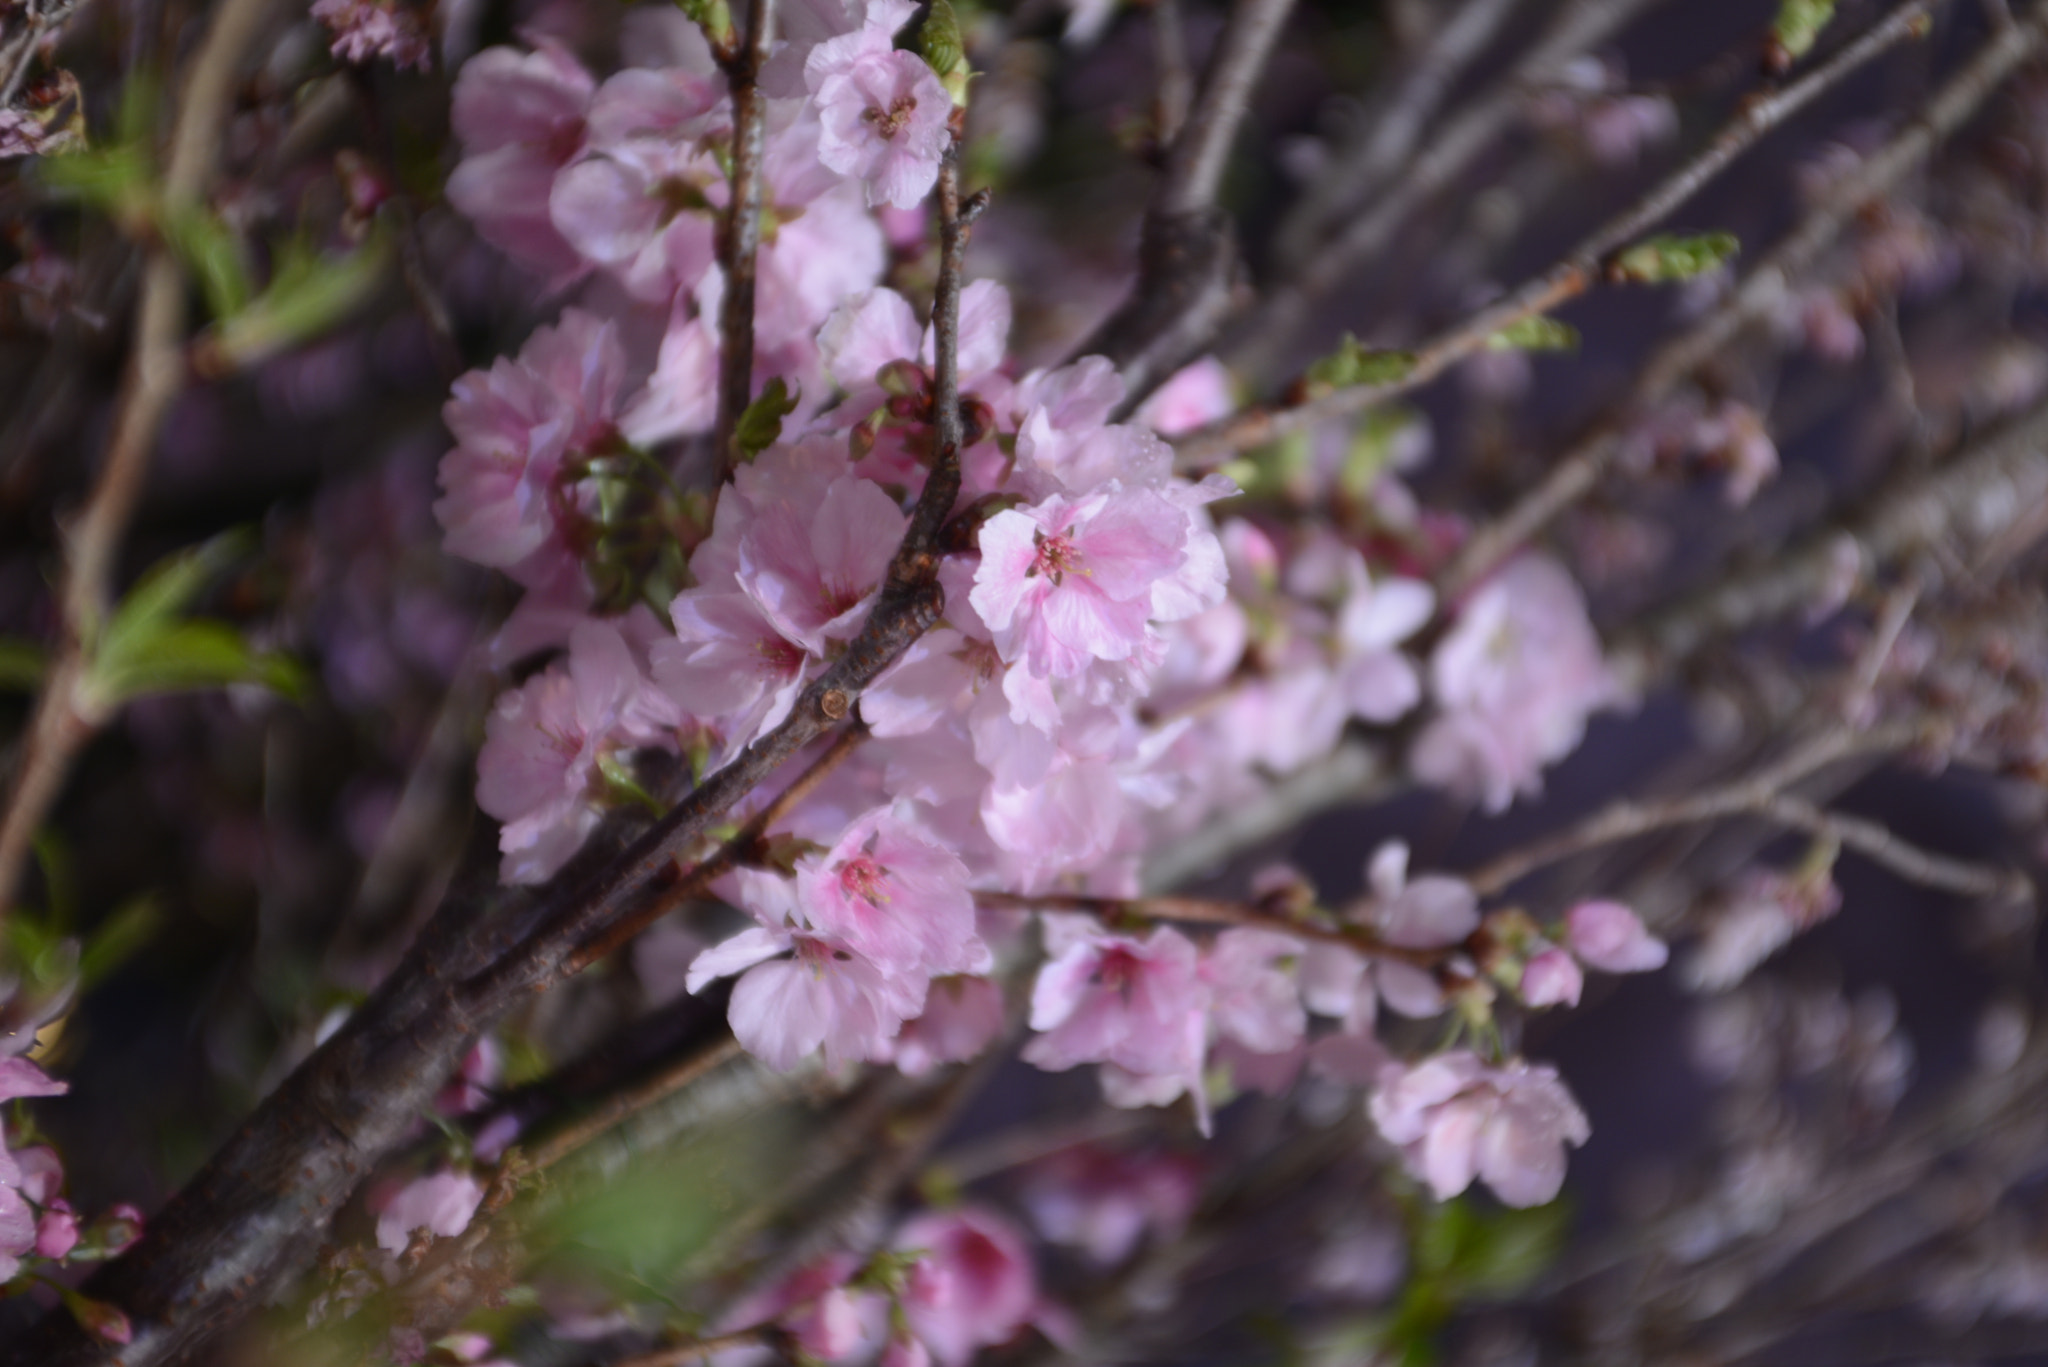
(1111, 665)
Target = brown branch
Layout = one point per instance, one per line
(156, 372)
(1572, 275)
(1187, 248)
(698, 1350)
(1878, 843)
(1576, 474)
(1209, 912)
(739, 241)
(623, 1106)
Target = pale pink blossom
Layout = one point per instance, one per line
(1193, 396)
(1253, 998)
(975, 1286)
(962, 1016)
(1455, 1117)
(364, 29)
(1551, 978)
(1103, 1202)
(1515, 679)
(1428, 912)
(884, 114)
(729, 664)
(519, 117)
(831, 1321)
(1068, 582)
(442, 1204)
(813, 571)
(1610, 937)
(507, 487)
(1138, 1005)
(1376, 681)
(896, 896)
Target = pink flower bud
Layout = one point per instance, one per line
(56, 1232)
(1610, 937)
(1552, 978)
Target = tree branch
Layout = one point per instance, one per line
(1571, 276)
(739, 243)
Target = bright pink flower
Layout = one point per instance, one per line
(1454, 1118)
(977, 1287)
(1551, 978)
(962, 1016)
(442, 1204)
(896, 896)
(506, 489)
(1610, 937)
(519, 116)
(1068, 582)
(885, 116)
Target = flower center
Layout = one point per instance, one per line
(889, 122)
(862, 877)
(1057, 558)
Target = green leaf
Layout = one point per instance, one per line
(938, 40)
(1668, 257)
(713, 16)
(118, 939)
(148, 646)
(308, 294)
(1514, 1248)
(1352, 364)
(1799, 24)
(21, 665)
(760, 427)
(213, 253)
(1535, 333)
(118, 179)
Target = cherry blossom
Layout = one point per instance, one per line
(1455, 1118)
(442, 1204)
(1138, 1005)
(519, 116)
(975, 1286)
(886, 117)
(895, 895)
(1610, 937)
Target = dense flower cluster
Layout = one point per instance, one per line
(1111, 665)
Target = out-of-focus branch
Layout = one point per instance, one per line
(156, 372)
(1170, 59)
(1450, 155)
(1577, 271)
(1209, 912)
(739, 244)
(1370, 162)
(1576, 474)
(1187, 249)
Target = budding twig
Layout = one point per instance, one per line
(739, 244)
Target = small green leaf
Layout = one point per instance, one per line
(713, 16)
(307, 294)
(191, 655)
(1352, 364)
(168, 587)
(214, 253)
(21, 665)
(1513, 1249)
(1667, 257)
(1535, 333)
(116, 178)
(1799, 24)
(118, 939)
(760, 427)
(939, 43)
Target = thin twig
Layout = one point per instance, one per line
(622, 1106)
(1285, 306)
(1878, 843)
(1573, 274)
(1576, 474)
(698, 1350)
(1187, 248)
(1209, 912)
(739, 243)
(156, 372)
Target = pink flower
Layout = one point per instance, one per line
(1610, 937)
(506, 490)
(1454, 1118)
(56, 1232)
(1429, 912)
(1068, 582)
(543, 744)
(364, 29)
(1136, 1004)
(976, 1287)
(442, 1204)
(885, 116)
(729, 663)
(519, 116)
(962, 1016)
(826, 994)
(1551, 978)
(813, 570)
(20, 1078)
(895, 895)
(1515, 678)
(1252, 999)
(1104, 1202)
(830, 1321)
(1192, 397)
(1377, 681)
